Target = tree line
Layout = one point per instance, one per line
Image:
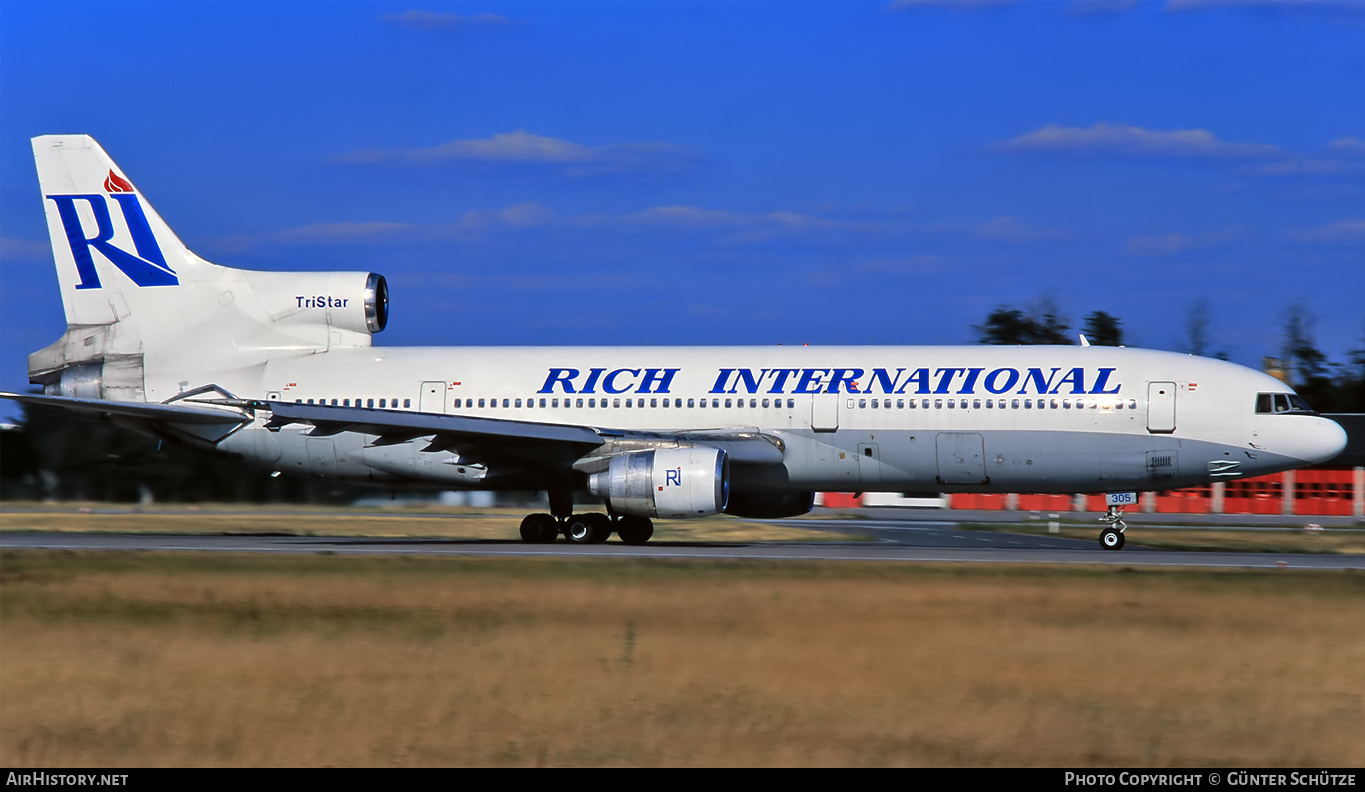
(1328, 386)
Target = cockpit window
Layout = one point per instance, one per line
(1278, 403)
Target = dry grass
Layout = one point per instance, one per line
(132, 660)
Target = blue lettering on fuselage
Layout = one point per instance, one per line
(945, 380)
(1011, 378)
(651, 380)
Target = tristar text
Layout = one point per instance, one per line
(321, 301)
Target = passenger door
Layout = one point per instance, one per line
(1161, 407)
(824, 412)
(433, 398)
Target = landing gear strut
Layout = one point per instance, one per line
(1111, 538)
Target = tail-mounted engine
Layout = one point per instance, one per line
(376, 303)
(333, 307)
(666, 482)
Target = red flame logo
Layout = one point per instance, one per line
(116, 183)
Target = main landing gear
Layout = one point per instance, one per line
(592, 528)
(1111, 538)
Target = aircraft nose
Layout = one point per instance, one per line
(1322, 441)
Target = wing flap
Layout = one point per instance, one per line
(165, 413)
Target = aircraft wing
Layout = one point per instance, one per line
(491, 440)
(477, 439)
(165, 413)
(501, 440)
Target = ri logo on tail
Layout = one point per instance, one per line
(147, 268)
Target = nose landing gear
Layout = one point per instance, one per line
(1111, 538)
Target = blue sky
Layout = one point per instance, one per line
(723, 173)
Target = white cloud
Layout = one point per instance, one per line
(525, 148)
(1341, 233)
(1100, 7)
(529, 214)
(1132, 141)
(14, 247)
(1175, 244)
(1339, 9)
(917, 264)
(714, 226)
(745, 228)
(430, 21)
(1080, 8)
(955, 5)
(342, 233)
(1348, 146)
(339, 232)
(1013, 230)
(1344, 157)
(675, 217)
(1299, 165)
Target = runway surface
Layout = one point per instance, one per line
(932, 538)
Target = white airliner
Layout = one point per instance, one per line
(278, 368)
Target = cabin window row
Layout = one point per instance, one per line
(885, 404)
(989, 404)
(676, 403)
(596, 403)
(383, 404)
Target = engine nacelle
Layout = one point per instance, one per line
(81, 381)
(665, 482)
(769, 505)
(117, 377)
(357, 302)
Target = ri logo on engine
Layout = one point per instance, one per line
(672, 477)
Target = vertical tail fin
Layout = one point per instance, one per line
(112, 250)
(147, 318)
(121, 269)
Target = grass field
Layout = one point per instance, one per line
(159, 659)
